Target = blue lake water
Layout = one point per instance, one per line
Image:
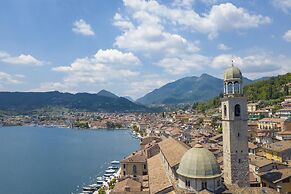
(38, 160)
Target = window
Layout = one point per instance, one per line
(236, 88)
(123, 173)
(204, 185)
(145, 166)
(238, 134)
(134, 169)
(237, 110)
(224, 110)
(123, 165)
(218, 182)
(229, 88)
(239, 160)
(187, 183)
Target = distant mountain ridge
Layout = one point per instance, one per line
(107, 94)
(186, 90)
(102, 102)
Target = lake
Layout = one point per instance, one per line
(39, 160)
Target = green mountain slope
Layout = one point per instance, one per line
(186, 90)
(27, 101)
(271, 89)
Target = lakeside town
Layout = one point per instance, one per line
(145, 97)
(167, 137)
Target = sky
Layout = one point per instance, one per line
(130, 47)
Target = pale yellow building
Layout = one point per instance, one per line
(274, 124)
(278, 151)
(134, 165)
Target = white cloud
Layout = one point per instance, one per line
(152, 39)
(105, 66)
(145, 84)
(255, 65)
(223, 47)
(55, 86)
(221, 17)
(184, 65)
(143, 31)
(116, 57)
(187, 4)
(122, 23)
(6, 78)
(22, 59)
(284, 5)
(81, 27)
(287, 36)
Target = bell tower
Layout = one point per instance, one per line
(235, 129)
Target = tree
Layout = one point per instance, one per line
(219, 129)
(101, 191)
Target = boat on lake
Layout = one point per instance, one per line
(115, 162)
(110, 171)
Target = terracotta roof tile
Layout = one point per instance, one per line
(158, 180)
(173, 150)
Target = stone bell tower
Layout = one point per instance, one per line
(235, 129)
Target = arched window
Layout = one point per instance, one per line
(229, 88)
(204, 185)
(225, 110)
(237, 110)
(134, 169)
(187, 183)
(236, 88)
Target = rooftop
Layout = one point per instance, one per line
(279, 146)
(276, 120)
(259, 161)
(135, 157)
(199, 162)
(158, 180)
(173, 150)
(275, 176)
(232, 73)
(128, 183)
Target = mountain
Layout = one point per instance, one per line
(187, 90)
(129, 98)
(107, 94)
(27, 101)
(272, 88)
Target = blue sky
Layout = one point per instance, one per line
(131, 47)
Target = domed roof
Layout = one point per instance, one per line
(199, 162)
(232, 73)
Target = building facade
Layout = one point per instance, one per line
(134, 165)
(235, 130)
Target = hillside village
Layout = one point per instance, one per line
(166, 137)
(169, 137)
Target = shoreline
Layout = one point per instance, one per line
(63, 127)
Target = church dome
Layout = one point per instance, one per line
(232, 73)
(199, 162)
